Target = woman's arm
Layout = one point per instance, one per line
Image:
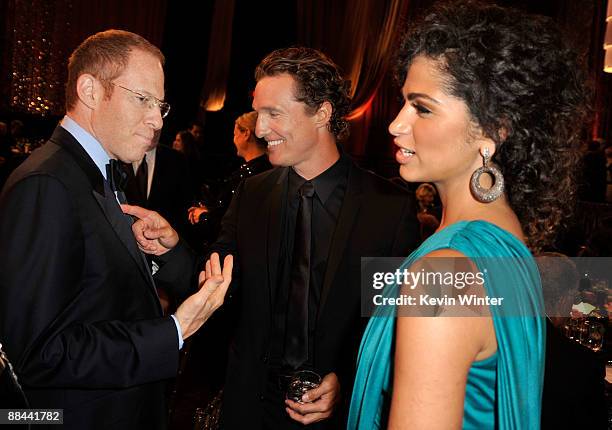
(432, 358)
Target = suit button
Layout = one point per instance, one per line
(261, 398)
(264, 358)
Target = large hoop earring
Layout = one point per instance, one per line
(480, 193)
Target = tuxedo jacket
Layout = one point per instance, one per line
(79, 314)
(376, 219)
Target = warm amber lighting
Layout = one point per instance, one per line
(608, 40)
(215, 102)
(608, 61)
(361, 109)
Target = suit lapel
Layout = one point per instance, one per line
(275, 225)
(122, 226)
(344, 226)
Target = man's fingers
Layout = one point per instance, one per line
(207, 269)
(228, 265)
(137, 229)
(316, 393)
(312, 395)
(136, 211)
(320, 405)
(215, 264)
(211, 284)
(152, 233)
(294, 415)
(306, 419)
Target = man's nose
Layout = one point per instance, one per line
(261, 127)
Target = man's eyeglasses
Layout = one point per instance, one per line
(148, 101)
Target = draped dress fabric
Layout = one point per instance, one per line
(503, 391)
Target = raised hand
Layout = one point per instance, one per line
(198, 307)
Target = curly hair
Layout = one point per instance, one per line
(524, 88)
(318, 80)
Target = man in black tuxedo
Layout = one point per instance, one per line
(79, 315)
(298, 233)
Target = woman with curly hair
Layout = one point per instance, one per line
(493, 100)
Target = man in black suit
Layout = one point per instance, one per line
(298, 233)
(79, 315)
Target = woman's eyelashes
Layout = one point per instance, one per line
(421, 110)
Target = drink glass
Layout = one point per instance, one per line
(596, 336)
(300, 382)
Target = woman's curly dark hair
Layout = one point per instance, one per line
(318, 80)
(525, 89)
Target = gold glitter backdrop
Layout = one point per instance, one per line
(38, 56)
(41, 34)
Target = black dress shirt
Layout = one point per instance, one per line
(330, 187)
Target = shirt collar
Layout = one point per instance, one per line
(326, 182)
(89, 143)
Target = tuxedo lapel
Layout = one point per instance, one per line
(346, 220)
(122, 226)
(275, 213)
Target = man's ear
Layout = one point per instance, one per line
(324, 114)
(89, 90)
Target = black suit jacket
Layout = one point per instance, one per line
(79, 314)
(376, 219)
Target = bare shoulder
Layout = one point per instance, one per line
(445, 252)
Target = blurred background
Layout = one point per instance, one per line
(213, 46)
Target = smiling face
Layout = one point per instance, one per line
(124, 126)
(433, 129)
(291, 131)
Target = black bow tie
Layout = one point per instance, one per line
(117, 177)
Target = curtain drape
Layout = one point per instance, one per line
(219, 54)
(359, 36)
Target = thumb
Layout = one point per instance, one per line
(153, 233)
(314, 394)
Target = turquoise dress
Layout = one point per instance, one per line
(503, 391)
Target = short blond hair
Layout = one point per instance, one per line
(104, 55)
(248, 121)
